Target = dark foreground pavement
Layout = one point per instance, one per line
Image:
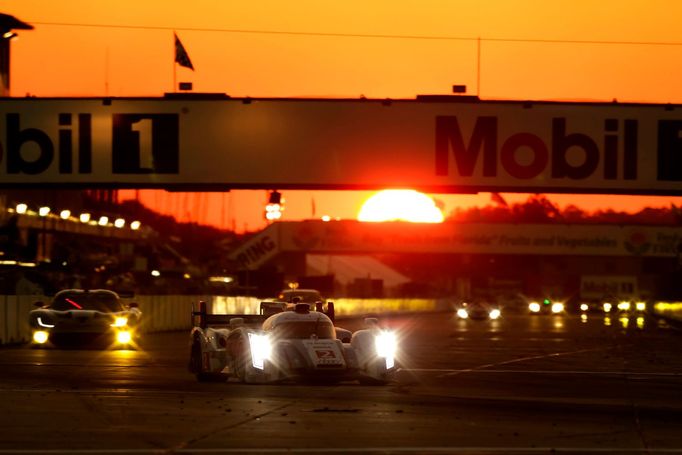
(523, 384)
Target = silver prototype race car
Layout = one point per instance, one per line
(292, 345)
(77, 316)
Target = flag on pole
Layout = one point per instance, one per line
(181, 56)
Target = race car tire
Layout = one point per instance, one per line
(240, 366)
(196, 367)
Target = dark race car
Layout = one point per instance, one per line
(77, 316)
(478, 309)
(546, 306)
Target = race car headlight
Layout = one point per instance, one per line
(120, 322)
(534, 307)
(640, 306)
(40, 336)
(386, 345)
(557, 307)
(462, 313)
(495, 313)
(607, 307)
(260, 349)
(584, 307)
(124, 337)
(45, 323)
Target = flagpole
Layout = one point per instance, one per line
(175, 67)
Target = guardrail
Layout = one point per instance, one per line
(172, 312)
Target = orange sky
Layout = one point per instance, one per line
(528, 50)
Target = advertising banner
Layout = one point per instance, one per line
(436, 146)
(477, 238)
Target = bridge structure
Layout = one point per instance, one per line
(433, 143)
(441, 144)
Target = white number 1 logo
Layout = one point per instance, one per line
(144, 130)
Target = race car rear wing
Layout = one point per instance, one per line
(203, 319)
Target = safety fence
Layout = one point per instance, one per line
(173, 312)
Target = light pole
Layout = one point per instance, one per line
(7, 26)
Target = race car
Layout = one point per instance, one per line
(78, 316)
(478, 309)
(292, 345)
(546, 306)
(288, 298)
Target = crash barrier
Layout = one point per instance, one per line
(173, 312)
(670, 311)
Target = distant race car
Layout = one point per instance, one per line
(292, 345)
(546, 306)
(77, 316)
(288, 298)
(477, 310)
(304, 295)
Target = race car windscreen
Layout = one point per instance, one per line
(304, 329)
(104, 302)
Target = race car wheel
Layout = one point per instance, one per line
(196, 367)
(240, 366)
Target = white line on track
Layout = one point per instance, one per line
(523, 359)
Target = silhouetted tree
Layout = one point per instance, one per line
(539, 209)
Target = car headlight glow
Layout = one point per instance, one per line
(260, 349)
(607, 307)
(462, 313)
(640, 306)
(494, 313)
(624, 305)
(557, 307)
(120, 322)
(386, 345)
(584, 307)
(40, 336)
(534, 307)
(124, 337)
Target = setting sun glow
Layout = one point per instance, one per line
(400, 205)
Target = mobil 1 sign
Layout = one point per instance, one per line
(442, 146)
(84, 142)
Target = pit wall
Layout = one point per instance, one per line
(173, 312)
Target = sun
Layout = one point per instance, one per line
(400, 205)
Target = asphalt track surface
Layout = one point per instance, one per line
(523, 384)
